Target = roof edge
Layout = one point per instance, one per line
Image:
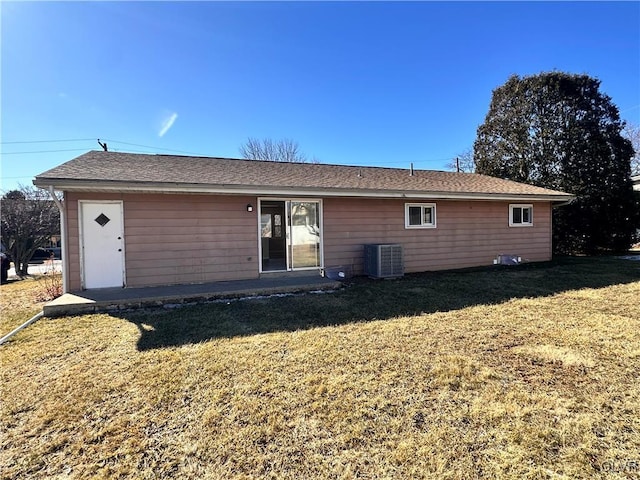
(168, 188)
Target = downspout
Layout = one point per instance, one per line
(555, 205)
(563, 203)
(63, 234)
(35, 318)
(63, 255)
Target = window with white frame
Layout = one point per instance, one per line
(419, 215)
(520, 215)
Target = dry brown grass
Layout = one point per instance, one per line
(540, 386)
(18, 303)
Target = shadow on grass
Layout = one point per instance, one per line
(366, 300)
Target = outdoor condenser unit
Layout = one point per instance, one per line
(383, 260)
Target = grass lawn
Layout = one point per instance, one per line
(523, 372)
(19, 301)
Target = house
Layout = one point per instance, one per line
(141, 220)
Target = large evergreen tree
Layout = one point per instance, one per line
(558, 131)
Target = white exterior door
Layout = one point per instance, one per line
(102, 244)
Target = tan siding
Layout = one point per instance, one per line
(467, 234)
(171, 239)
(73, 242)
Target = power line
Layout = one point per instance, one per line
(48, 141)
(26, 142)
(153, 148)
(44, 151)
(156, 149)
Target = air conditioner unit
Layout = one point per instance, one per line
(383, 260)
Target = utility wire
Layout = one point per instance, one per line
(44, 151)
(25, 142)
(152, 148)
(48, 141)
(157, 149)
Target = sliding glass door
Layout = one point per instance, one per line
(304, 234)
(290, 235)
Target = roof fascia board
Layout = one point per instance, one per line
(116, 187)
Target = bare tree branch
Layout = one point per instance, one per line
(464, 162)
(632, 133)
(285, 150)
(29, 219)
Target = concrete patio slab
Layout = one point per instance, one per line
(110, 299)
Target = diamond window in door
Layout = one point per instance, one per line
(102, 219)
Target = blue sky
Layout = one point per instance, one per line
(363, 83)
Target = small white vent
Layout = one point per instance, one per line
(507, 260)
(383, 260)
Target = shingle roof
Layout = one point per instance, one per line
(99, 170)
